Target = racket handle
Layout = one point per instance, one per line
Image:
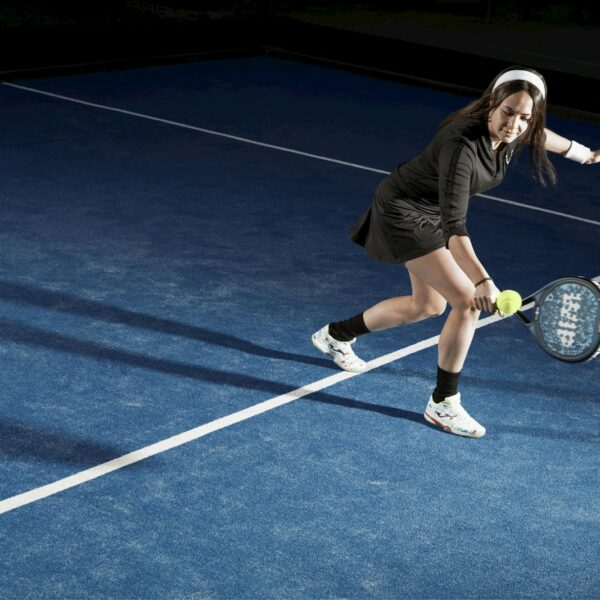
(523, 318)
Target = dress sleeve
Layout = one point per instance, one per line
(456, 164)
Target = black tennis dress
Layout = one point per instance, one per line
(424, 202)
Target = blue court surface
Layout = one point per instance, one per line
(158, 276)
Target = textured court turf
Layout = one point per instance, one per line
(156, 278)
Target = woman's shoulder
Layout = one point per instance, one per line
(461, 129)
(462, 134)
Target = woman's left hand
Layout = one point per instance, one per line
(594, 157)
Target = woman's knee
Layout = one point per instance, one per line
(431, 308)
(464, 307)
(462, 299)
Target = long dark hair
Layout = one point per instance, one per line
(539, 165)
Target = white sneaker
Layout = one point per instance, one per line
(451, 416)
(341, 352)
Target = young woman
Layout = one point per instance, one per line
(418, 218)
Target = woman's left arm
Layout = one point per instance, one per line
(570, 149)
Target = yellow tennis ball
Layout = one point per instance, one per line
(508, 302)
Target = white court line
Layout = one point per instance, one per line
(186, 437)
(194, 128)
(274, 147)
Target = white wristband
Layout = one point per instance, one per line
(578, 152)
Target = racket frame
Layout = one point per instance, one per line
(536, 301)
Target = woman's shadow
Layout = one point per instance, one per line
(33, 336)
(66, 303)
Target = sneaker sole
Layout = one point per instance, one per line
(449, 429)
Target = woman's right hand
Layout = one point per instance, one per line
(485, 296)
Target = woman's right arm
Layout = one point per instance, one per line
(462, 251)
(456, 164)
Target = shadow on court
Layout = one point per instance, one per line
(33, 336)
(387, 411)
(38, 444)
(40, 338)
(18, 293)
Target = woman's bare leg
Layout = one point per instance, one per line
(440, 271)
(423, 303)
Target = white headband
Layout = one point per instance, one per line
(522, 75)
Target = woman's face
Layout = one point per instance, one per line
(511, 119)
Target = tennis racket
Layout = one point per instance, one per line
(566, 318)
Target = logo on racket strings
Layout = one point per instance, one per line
(570, 305)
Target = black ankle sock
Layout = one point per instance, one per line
(447, 385)
(344, 331)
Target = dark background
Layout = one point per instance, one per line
(458, 45)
